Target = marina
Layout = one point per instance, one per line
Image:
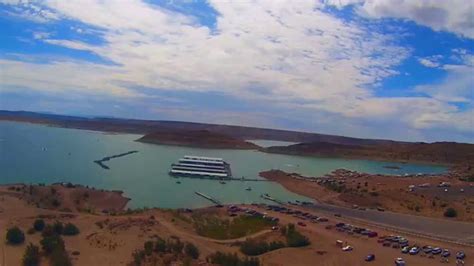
(199, 166)
(145, 178)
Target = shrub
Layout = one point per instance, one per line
(138, 256)
(70, 230)
(175, 246)
(191, 250)
(31, 256)
(229, 259)
(374, 193)
(56, 203)
(15, 236)
(58, 227)
(254, 248)
(160, 245)
(39, 225)
(59, 257)
(295, 238)
(450, 212)
(148, 247)
(50, 243)
(48, 231)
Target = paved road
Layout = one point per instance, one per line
(442, 229)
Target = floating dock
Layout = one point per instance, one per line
(268, 197)
(108, 158)
(211, 199)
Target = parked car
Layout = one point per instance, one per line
(399, 262)
(372, 234)
(427, 249)
(436, 251)
(274, 228)
(405, 250)
(460, 255)
(301, 224)
(370, 257)
(414, 250)
(445, 253)
(347, 248)
(337, 214)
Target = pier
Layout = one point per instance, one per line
(108, 158)
(213, 200)
(268, 197)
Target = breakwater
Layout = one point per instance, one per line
(108, 158)
(211, 199)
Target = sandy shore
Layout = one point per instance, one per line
(110, 238)
(398, 194)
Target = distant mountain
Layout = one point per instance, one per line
(149, 126)
(227, 136)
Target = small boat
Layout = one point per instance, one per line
(178, 182)
(222, 182)
(248, 189)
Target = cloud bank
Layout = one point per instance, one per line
(294, 56)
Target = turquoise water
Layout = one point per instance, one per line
(35, 153)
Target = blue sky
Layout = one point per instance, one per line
(380, 69)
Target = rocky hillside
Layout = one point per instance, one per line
(197, 138)
(438, 152)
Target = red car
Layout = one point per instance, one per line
(301, 224)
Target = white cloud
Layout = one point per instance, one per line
(31, 10)
(291, 52)
(63, 78)
(458, 86)
(453, 16)
(427, 62)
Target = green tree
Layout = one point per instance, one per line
(191, 250)
(160, 245)
(59, 257)
(450, 212)
(58, 227)
(50, 243)
(31, 256)
(39, 225)
(15, 236)
(70, 230)
(148, 246)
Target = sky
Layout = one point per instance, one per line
(391, 69)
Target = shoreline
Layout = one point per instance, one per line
(449, 166)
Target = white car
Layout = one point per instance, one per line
(347, 248)
(399, 262)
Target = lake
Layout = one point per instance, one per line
(32, 153)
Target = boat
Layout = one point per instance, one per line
(248, 189)
(203, 167)
(222, 182)
(178, 182)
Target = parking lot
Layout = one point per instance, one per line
(411, 250)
